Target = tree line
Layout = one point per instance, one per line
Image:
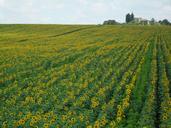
(130, 19)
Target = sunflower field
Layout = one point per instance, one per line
(85, 76)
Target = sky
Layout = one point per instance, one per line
(80, 11)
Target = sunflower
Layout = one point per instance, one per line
(164, 117)
(113, 124)
(21, 122)
(97, 124)
(118, 119)
(64, 117)
(89, 126)
(72, 121)
(20, 114)
(31, 123)
(46, 125)
(81, 117)
(52, 121)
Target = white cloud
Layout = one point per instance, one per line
(2, 2)
(80, 11)
(99, 8)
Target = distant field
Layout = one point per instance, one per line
(64, 76)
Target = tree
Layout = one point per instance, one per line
(165, 22)
(132, 17)
(160, 21)
(128, 18)
(110, 22)
(152, 21)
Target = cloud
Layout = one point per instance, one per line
(80, 11)
(2, 3)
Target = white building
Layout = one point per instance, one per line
(141, 21)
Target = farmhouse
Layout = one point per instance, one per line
(141, 21)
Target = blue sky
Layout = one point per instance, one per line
(80, 11)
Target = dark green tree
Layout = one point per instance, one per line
(165, 22)
(132, 17)
(128, 18)
(110, 22)
(152, 21)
